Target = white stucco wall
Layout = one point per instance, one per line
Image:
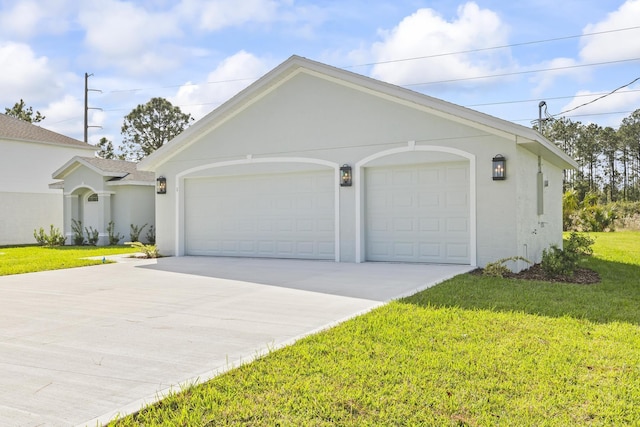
(26, 202)
(310, 117)
(133, 205)
(537, 232)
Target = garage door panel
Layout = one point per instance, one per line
(417, 213)
(277, 215)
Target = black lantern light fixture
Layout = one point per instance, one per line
(161, 185)
(345, 176)
(499, 166)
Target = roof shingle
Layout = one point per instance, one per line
(16, 129)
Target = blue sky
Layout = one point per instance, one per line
(199, 53)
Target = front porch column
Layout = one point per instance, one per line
(70, 210)
(104, 206)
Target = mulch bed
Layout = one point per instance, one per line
(582, 276)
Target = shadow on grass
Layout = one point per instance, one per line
(616, 298)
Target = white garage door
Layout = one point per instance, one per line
(277, 215)
(418, 213)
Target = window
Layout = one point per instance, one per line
(93, 198)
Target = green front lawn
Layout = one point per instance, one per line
(28, 259)
(473, 351)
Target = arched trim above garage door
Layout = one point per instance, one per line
(250, 160)
(411, 146)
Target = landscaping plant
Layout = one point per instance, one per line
(92, 236)
(148, 251)
(563, 262)
(54, 238)
(499, 269)
(151, 235)
(78, 232)
(134, 233)
(114, 238)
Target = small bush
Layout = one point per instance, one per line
(92, 236)
(114, 238)
(579, 244)
(78, 232)
(499, 269)
(149, 251)
(556, 263)
(151, 235)
(134, 233)
(54, 238)
(563, 262)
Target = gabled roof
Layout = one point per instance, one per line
(528, 138)
(12, 128)
(121, 172)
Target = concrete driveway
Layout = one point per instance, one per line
(79, 346)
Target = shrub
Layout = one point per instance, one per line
(92, 236)
(114, 238)
(134, 233)
(54, 238)
(563, 262)
(151, 235)
(556, 263)
(579, 244)
(597, 218)
(499, 269)
(78, 233)
(149, 251)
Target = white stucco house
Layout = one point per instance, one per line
(28, 154)
(261, 176)
(99, 191)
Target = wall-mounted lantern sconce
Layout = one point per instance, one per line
(161, 185)
(499, 165)
(345, 176)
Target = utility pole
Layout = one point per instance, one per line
(86, 106)
(540, 105)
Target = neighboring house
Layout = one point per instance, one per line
(260, 176)
(99, 191)
(28, 154)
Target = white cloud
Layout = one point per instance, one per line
(128, 36)
(215, 15)
(27, 18)
(26, 76)
(615, 45)
(427, 33)
(230, 77)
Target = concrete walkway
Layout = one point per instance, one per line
(80, 346)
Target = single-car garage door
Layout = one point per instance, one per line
(289, 215)
(418, 213)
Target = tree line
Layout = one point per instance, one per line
(608, 159)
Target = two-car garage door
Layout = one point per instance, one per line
(286, 215)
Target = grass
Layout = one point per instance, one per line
(29, 259)
(472, 351)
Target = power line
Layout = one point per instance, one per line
(575, 115)
(491, 48)
(598, 98)
(520, 101)
(405, 60)
(595, 64)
